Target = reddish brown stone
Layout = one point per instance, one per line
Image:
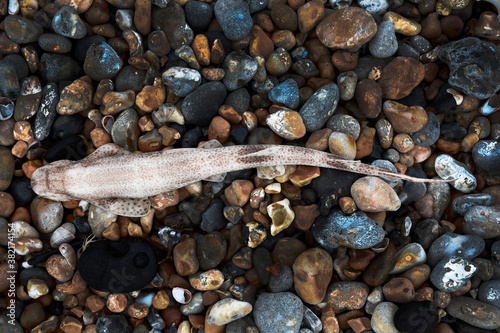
(400, 77)
(368, 95)
(219, 130)
(399, 290)
(310, 14)
(378, 270)
(312, 272)
(405, 119)
(287, 250)
(305, 216)
(185, 260)
(260, 43)
(238, 193)
(348, 28)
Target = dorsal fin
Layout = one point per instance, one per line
(107, 150)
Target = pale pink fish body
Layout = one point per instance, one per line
(116, 180)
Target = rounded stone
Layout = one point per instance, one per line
(282, 282)
(47, 214)
(209, 280)
(181, 80)
(200, 106)
(287, 124)
(456, 172)
(411, 255)
(400, 77)
(488, 292)
(383, 318)
(286, 93)
(54, 43)
(455, 245)
(384, 44)
(228, 310)
(483, 221)
(486, 157)
(346, 295)
(474, 312)
(355, 231)
(113, 323)
(67, 23)
(347, 28)
(343, 145)
(22, 30)
(198, 14)
(6, 168)
(234, 18)
(451, 274)
(240, 68)
(278, 312)
(320, 107)
(399, 290)
(312, 272)
(372, 194)
(102, 61)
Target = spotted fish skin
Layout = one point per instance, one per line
(119, 181)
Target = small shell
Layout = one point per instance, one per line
(63, 234)
(69, 254)
(181, 295)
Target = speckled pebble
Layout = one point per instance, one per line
(319, 107)
(239, 68)
(450, 169)
(486, 156)
(483, 221)
(102, 61)
(450, 274)
(463, 203)
(455, 245)
(286, 93)
(411, 255)
(474, 312)
(372, 194)
(181, 80)
(383, 318)
(234, 18)
(67, 23)
(488, 292)
(278, 312)
(282, 282)
(384, 43)
(287, 124)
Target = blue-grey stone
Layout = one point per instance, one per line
(450, 274)
(483, 221)
(428, 135)
(486, 157)
(286, 93)
(455, 245)
(278, 313)
(384, 44)
(474, 66)
(234, 18)
(181, 80)
(489, 292)
(282, 282)
(257, 5)
(68, 23)
(356, 231)
(462, 204)
(112, 324)
(240, 68)
(198, 14)
(319, 107)
(22, 30)
(101, 62)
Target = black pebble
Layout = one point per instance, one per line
(21, 191)
(453, 131)
(239, 134)
(463, 327)
(57, 68)
(72, 148)
(67, 125)
(82, 225)
(55, 309)
(444, 102)
(200, 106)
(213, 219)
(191, 138)
(118, 267)
(198, 14)
(113, 324)
(416, 317)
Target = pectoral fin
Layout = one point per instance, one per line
(133, 207)
(107, 150)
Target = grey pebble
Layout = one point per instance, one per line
(319, 107)
(489, 292)
(234, 18)
(462, 204)
(344, 123)
(449, 168)
(384, 44)
(278, 313)
(454, 245)
(240, 68)
(282, 282)
(474, 312)
(483, 221)
(68, 23)
(125, 130)
(486, 157)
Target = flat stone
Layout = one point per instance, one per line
(474, 312)
(400, 77)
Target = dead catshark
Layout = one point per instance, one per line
(121, 182)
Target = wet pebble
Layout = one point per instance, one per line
(450, 274)
(227, 310)
(455, 245)
(483, 221)
(347, 28)
(372, 194)
(54, 43)
(345, 295)
(319, 107)
(209, 280)
(57, 68)
(181, 80)
(405, 119)
(102, 62)
(278, 312)
(239, 68)
(22, 30)
(286, 93)
(450, 169)
(428, 135)
(384, 43)
(287, 124)
(47, 214)
(125, 130)
(198, 14)
(409, 256)
(67, 23)
(475, 312)
(6, 168)
(486, 156)
(488, 293)
(113, 323)
(473, 66)
(312, 271)
(338, 230)
(234, 18)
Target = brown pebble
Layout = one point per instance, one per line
(431, 26)
(418, 275)
(201, 49)
(403, 143)
(219, 130)
(284, 17)
(172, 315)
(7, 204)
(185, 260)
(360, 324)
(345, 61)
(400, 77)
(310, 14)
(138, 311)
(399, 290)
(94, 303)
(59, 268)
(283, 38)
(260, 43)
(75, 97)
(116, 302)
(364, 144)
(305, 216)
(348, 28)
(402, 25)
(312, 271)
(287, 250)
(32, 315)
(161, 300)
(238, 193)
(378, 270)
(209, 280)
(405, 119)
(304, 175)
(368, 95)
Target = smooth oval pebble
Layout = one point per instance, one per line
(355, 231)
(278, 312)
(286, 123)
(409, 256)
(483, 221)
(383, 318)
(450, 274)
(384, 44)
(450, 169)
(234, 18)
(227, 310)
(319, 107)
(474, 312)
(342, 144)
(486, 157)
(102, 61)
(209, 280)
(489, 292)
(455, 245)
(200, 106)
(463, 203)
(47, 214)
(347, 295)
(372, 194)
(240, 68)
(286, 93)
(312, 272)
(67, 23)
